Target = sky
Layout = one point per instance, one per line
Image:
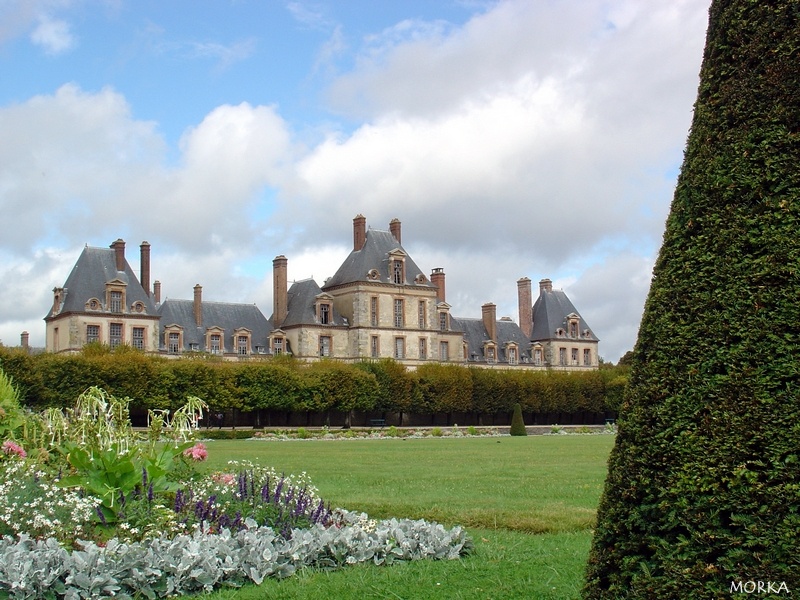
(512, 138)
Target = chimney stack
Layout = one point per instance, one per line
(489, 312)
(157, 291)
(525, 306)
(119, 254)
(545, 285)
(279, 290)
(198, 305)
(359, 232)
(394, 228)
(437, 279)
(23, 340)
(144, 266)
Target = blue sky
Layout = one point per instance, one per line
(512, 138)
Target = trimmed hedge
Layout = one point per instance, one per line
(703, 488)
(285, 384)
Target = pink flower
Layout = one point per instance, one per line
(224, 478)
(10, 448)
(197, 452)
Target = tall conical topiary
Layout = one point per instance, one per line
(703, 491)
(517, 422)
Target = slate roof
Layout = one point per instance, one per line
(475, 335)
(96, 267)
(301, 305)
(374, 254)
(227, 315)
(550, 312)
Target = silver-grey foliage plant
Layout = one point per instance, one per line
(162, 567)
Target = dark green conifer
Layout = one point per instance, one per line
(517, 422)
(703, 490)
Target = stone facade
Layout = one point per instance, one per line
(379, 304)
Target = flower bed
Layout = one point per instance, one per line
(90, 508)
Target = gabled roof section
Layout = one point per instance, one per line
(374, 257)
(476, 336)
(95, 268)
(551, 312)
(301, 305)
(227, 316)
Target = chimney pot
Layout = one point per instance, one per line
(489, 313)
(545, 285)
(279, 290)
(525, 306)
(144, 266)
(437, 279)
(359, 232)
(395, 227)
(198, 305)
(119, 254)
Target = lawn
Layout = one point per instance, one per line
(528, 502)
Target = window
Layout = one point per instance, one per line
(562, 356)
(325, 314)
(397, 271)
(373, 311)
(194, 347)
(490, 355)
(241, 345)
(114, 334)
(324, 345)
(374, 348)
(214, 346)
(573, 328)
(92, 333)
(398, 312)
(574, 356)
(421, 314)
(512, 355)
(587, 357)
(423, 348)
(537, 356)
(399, 347)
(260, 350)
(443, 321)
(444, 351)
(138, 338)
(174, 343)
(277, 345)
(116, 302)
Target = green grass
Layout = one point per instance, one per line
(528, 502)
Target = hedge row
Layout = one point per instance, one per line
(50, 380)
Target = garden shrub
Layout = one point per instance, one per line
(517, 422)
(704, 480)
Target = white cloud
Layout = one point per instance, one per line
(53, 35)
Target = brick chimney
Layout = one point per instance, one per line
(545, 285)
(144, 266)
(489, 312)
(23, 340)
(525, 306)
(359, 232)
(394, 228)
(437, 279)
(157, 291)
(198, 305)
(279, 290)
(119, 254)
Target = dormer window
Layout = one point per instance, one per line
(572, 324)
(397, 272)
(115, 305)
(93, 304)
(242, 338)
(324, 313)
(115, 296)
(512, 355)
(420, 279)
(560, 332)
(490, 352)
(373, 275)
(443, 321)
(138, 307)
(214, 340)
